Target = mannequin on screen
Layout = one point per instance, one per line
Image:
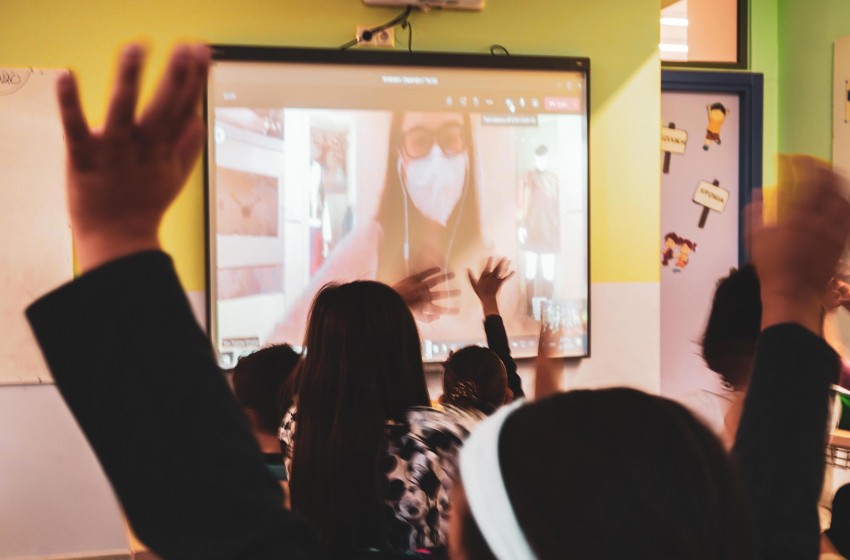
(539, 230)
(319, 218)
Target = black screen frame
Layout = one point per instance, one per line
(296, 55)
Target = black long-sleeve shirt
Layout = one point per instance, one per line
(780, 442)
(497, 341)
(142, 381)
(141, 378)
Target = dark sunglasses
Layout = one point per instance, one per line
(419, 141)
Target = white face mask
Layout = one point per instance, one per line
(435, 182)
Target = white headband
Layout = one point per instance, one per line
(485, 490)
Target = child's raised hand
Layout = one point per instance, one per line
(488, 283)
(797, 257)
(122, 177)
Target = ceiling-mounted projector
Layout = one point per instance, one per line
(426, 4)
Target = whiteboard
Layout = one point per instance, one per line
(55, 500)
(35, 237)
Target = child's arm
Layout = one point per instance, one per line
(486, 287)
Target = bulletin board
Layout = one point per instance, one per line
(35, 237)
(711, 161)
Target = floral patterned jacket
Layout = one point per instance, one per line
(421, 467)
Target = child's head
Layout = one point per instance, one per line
(612, 473)
(686, 245)
(475, 378)
(716, 112)
(258, 380)
(733, 328)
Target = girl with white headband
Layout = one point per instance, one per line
(600, 474)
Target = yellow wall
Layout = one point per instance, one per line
(620, 37)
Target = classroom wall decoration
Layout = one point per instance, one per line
(701, 203)
(710, 197)
(716, 117)
(673, 141)
(700, 228)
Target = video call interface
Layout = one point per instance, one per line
(323, 173)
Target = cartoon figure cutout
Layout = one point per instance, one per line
(671, 240)
(686, 247)
(716, 115)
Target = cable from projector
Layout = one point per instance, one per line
(495, 48)
(368, 34)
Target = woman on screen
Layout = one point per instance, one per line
(427, 215)
(429, 210)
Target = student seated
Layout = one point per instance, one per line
(474, 378)
(486, 287)
(141, 379)
(612, 473)
(483, 379)
(728, 348)
(372, 465)
(258, 384)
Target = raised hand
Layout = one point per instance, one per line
(837, 295)
(547, 380)
(488, 283)
(797, 257)
(122, 178)
(420, 294)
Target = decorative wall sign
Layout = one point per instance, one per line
(673, 141)
(711, 197)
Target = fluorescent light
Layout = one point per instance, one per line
(666, 47)
(674, 21)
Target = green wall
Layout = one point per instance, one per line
(764, 59)
(620, 37)
(807, 31)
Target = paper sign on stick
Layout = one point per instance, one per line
(673, 141)
(711, 197)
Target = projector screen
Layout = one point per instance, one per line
(331, 166)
